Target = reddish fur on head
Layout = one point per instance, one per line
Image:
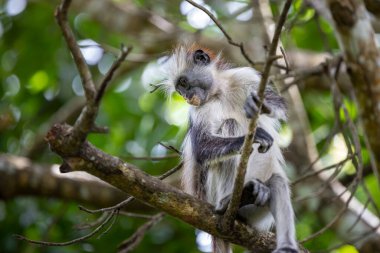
(221, 64)
(194, 47)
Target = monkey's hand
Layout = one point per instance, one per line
(255, 192)
(251, 108)
(264, 139)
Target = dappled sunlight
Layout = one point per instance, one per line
(132, 134)
(92, 52)
(15, 7)
(195, 17)
(233, 7)
(176, 110)
(204, 242)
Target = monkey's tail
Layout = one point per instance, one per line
(220, 246)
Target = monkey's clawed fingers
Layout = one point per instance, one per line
(251, 108)
(264, 139)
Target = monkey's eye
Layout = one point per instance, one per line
(201, 58)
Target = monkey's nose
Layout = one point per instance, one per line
(183, 82)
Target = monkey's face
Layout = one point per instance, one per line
(195, 82)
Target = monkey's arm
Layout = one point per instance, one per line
(208, 147)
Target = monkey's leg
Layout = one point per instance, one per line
(282, 211)
(254, 192)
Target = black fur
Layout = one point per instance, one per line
(208, 147)
(254, 192)
(272, 101)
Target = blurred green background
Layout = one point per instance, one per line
(38, 78)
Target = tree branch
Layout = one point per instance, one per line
(247, 148)
(132, 242)
(84, 71)
(21, 177)
(152, 191)
(79, 155)
(80, 239)
(108, 77)
(357, 41)
(226, 35)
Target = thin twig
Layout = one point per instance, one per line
(286, 60)
(171, 171)
(136, 215)
(108, 77)
(92, 224)
(352, 241)
(247, 148)
(133, 241)
(314, 173)
(108, 209)
(170, 147)
(357, 160)
(359, 216)
(116, 212)
(155, 87)
(83, 69)
(152, 158)
(130, 199)
(228, 37)
(332, 222)
(323, 187)
(80, 239)
(326, 144)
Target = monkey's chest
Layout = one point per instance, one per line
(230, 127)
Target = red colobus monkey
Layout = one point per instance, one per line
(222, 100)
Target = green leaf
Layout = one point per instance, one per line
(38, 82)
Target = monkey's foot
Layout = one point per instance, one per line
(287, 249)
(221, 206)
(264, 139)
(255, 192)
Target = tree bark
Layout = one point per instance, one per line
(20, 177)
(154, 192)
(357, 41)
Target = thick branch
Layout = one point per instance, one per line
(20, 177)
(152, 191)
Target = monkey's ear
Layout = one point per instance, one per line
(201, 58)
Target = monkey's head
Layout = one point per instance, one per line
(191, 72)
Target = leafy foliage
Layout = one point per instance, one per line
(38, 78)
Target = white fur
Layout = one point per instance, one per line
(230, 89)
(236, 85)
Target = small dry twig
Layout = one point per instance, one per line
(80, 239)
(133, 241)
(228, 37)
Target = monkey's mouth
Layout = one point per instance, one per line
(194, 100)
